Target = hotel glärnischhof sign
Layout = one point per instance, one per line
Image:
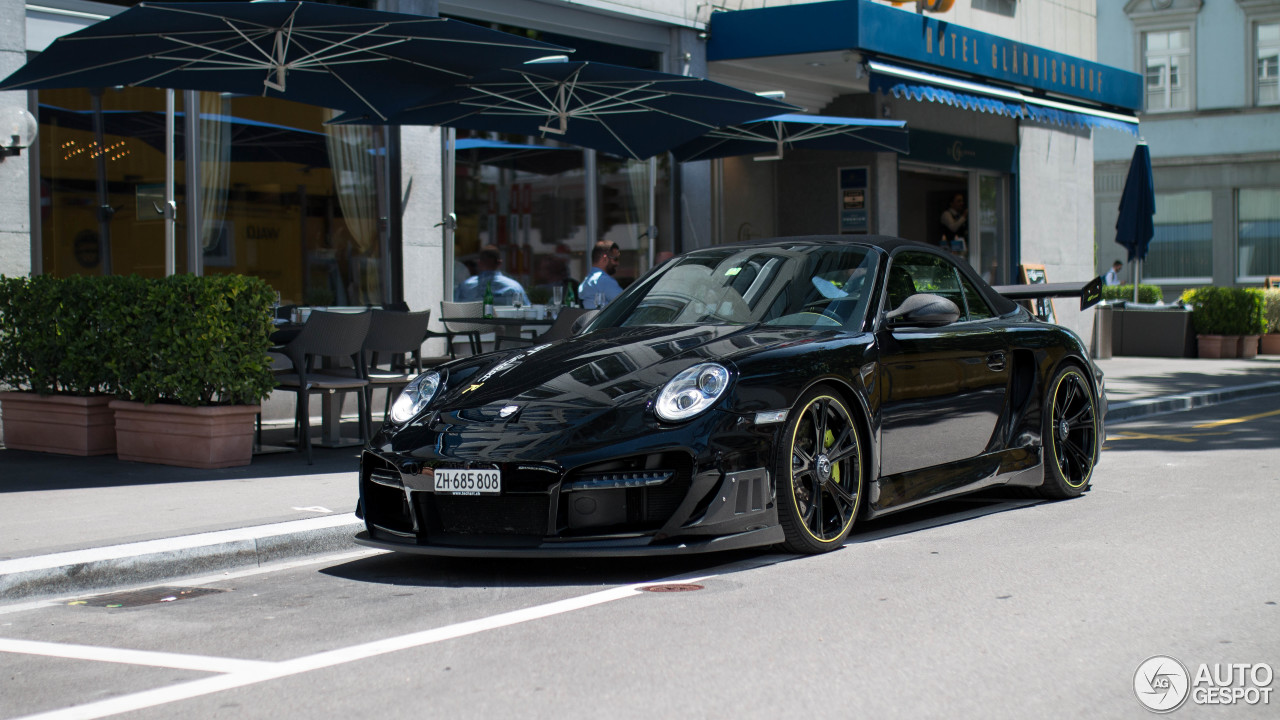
(888, 32)
(944, 45)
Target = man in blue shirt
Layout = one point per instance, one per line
(506, 291)
(600, 282)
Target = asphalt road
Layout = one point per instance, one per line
(992, 607)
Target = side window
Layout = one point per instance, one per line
(913, 272)
(978, 308)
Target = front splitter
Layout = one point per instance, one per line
(738, 541)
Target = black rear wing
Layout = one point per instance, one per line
(1088, 292)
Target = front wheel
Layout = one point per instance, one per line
(1071, 442)
(819, 471)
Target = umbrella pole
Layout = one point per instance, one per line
(1137, 273)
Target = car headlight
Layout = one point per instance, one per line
(415, 396)
(692, 391)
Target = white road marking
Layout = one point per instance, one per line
(176, 661)
(259, 672)
(314, 509)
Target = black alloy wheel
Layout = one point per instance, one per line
(1071, 442)
(820, 470)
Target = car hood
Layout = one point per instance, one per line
(602, 368)
(572, 396)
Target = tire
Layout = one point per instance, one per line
(820, 469)
(1070, 439)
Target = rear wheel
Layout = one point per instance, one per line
(819, 470)
(1071, 442)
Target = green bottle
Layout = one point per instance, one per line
(488, 300)
(570, 297)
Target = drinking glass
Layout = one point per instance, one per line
(557, 295)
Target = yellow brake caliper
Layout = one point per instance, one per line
(829, 439)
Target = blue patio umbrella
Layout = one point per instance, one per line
(622, 111)
(779, 133)
(540, 159)
(335, 56)
(1136, 224)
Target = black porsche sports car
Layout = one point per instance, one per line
(741, 395)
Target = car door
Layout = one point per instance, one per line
(943, 387)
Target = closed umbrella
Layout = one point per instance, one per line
(334, 56)
(778, 133)
(1136, 224)
(622, 111)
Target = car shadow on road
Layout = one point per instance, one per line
(405, 569)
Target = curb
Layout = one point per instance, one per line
(1135, 409)
(155, 560)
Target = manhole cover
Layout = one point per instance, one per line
(673, 587)
(149, 596)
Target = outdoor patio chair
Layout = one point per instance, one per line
(332, 339)
(455, 330)
(562, 328)
(392, 353)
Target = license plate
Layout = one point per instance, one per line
(450, 481)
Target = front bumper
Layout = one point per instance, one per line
(639, 497)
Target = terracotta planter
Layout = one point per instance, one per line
(67, 424)
(1210, 346)
(1269, 344)
(1248, 346)
(199, 437)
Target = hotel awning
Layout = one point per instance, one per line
(819, 50)
(905, 82)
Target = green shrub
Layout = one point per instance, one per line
(195, 340)
(1271, 309)
(183, 339)
(1150, 294)
(55, 336)
(1225, 310)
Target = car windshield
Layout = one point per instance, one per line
(800, 286)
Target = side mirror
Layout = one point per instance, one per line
(924, 310)
(582, 321)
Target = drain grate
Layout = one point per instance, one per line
(671, 587)
(149, 596)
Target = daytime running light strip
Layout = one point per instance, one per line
(991, 90)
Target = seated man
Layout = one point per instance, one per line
(506, 291)
(600, 282)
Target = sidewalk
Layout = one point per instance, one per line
(77, 525)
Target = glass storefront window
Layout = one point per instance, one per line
(628, 188)
(1258, 213)
(1182, 247)
(279, 194)
(524, 197)
(102, 181)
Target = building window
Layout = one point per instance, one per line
(1182, 248)
(1168, 69)
(1266, 44)
(1258, 249)
(1007, 8)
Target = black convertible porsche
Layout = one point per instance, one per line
(741, 395)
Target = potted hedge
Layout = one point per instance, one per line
(1270, 341)
(1147, 294)
(1227, 321)
(192, 369)
(54, 341)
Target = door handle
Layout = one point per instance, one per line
(995, 361)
